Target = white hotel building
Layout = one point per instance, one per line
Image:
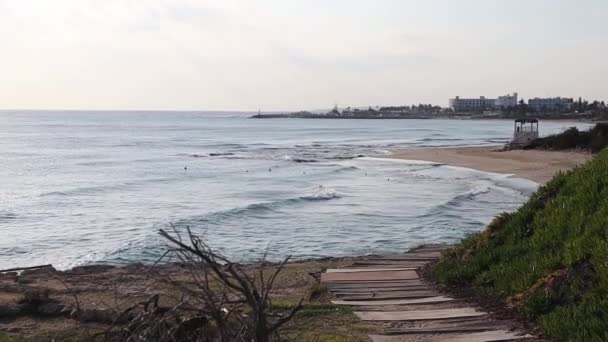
(550, 104)
(481, 104)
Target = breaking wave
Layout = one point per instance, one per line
(323, 194)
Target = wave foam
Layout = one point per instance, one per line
(322, 195)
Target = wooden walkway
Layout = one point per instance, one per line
(388, 290)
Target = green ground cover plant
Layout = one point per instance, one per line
(549, 259)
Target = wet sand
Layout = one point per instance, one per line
(535, 165)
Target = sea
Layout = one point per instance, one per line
(84, 187)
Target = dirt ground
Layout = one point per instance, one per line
(100, 292)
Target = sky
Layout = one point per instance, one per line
(278, 55)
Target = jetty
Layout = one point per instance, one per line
(370, 113)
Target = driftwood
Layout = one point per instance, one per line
(238, 289)
(16, 269)
(221, 302)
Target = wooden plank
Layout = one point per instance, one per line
(401, 258)
(375, 284)
(433, 245)
(423, 254)
(416, 315)
(427, 249)
(495, 335)
(339, 290)
(414, 263)
(363, 266)
(351, 270)
(429, 300)
(453, 328)
(380, 264)
(367, 276)
(390, 295)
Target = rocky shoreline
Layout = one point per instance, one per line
(45, 304)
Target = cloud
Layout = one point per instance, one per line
(238, 53)
(365, 61)
(191, 13)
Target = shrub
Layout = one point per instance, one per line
(593, 140)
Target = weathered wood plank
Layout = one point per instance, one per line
(383, 265)
(369, 284)
(387, 264)
(428, 300)
(340, 290)
(453, 328)
(416, 315)
(367, 276)
(422, 253)
(389, 295)
(497, 335)
(405, 257)
(352, 270)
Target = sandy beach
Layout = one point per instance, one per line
(535, 165)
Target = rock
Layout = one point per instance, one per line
(26, 280)
(10, 276)
(9, 310)
(87, 315)
(38, 272)
(136, 266)
(98, 315)
(90, 269)
(51, 309)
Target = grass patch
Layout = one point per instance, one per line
(313, 310)
(325, 323)
(548, 260)
(8, 338)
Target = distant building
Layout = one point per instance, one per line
(506, 101)
(472, 105)
(553, 104)
(482, 103)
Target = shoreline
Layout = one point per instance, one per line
(536, 165)
(103, 291)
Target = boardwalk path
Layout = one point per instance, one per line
(388, 290)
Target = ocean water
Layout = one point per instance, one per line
(90, 187)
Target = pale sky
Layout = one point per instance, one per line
(296, 54)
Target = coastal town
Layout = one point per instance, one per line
(507, 106)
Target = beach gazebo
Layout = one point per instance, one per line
(524, 131)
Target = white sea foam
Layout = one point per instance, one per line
(322, 193)
(401, 161)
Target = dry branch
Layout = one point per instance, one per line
(222, 303)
